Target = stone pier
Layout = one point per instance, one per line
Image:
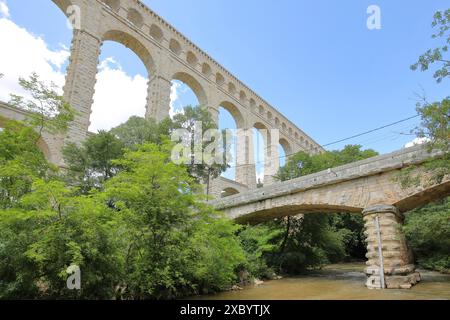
(398, 263)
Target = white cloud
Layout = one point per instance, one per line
(24, 54)
(174, 98)
(4, 10)
(117, 97)
(416, 141)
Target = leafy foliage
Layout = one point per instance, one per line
(435, 127)
(189, 120)
(21, 163)
(428, 232)
(144, 233)
(137, 131)
(47, 109)
(302, 163)
(437, 56)
(90, 164)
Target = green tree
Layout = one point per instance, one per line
(189, 120)
(258, 243)
(172, 246)
(302, 163)
(438, 55)
(90, 164)
(137, 131)
(435, 124)
(21, 162)
(428, 232)
(47, 109)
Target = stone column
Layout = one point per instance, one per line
(80, 82)
(399, 269)
(245, 161)
(214, 112)
(158, 98)
(272, 159)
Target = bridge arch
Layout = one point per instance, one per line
(194, 85)
(134, 45)
(235, 113)
(286, 147)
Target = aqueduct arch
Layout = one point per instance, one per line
(194, 84)
(134, 45)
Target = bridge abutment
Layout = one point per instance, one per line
(387, 247)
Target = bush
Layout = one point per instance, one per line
(428, 233)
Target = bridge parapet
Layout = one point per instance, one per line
(356, 170)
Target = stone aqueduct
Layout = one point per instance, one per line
(368, 187)
(168, 55)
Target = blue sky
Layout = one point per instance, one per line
(315, 61)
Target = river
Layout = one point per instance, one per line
(338, 282)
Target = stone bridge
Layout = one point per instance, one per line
(369, 187)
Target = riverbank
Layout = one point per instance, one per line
(338, 282)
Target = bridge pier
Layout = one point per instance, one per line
(383, 226)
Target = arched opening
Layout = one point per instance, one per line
(191, 59)
(284, 151)
(231, 88)
(135, 18)
(206, 69)
(114, 5)
(181, 96)
(230, 118)
(282, 155)
(228, 192)
(156, 33)
(43, 146)
(220, 80)
(261, 110)
(261, 141)
(134, 45)
(242, 97)
(252, 104)
(175, 46)
(186, 90)
(122, 81)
